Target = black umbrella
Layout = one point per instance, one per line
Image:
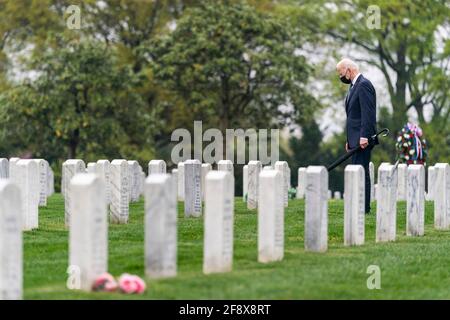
(351, 152)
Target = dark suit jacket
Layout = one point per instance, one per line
(360, 106)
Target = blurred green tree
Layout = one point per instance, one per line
(80, 104)
(410, 46)
(22, 22)
(233, 66)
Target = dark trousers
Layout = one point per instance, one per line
(363, 158)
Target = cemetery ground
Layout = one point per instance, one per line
(411, 267)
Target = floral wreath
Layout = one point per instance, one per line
(411, 148)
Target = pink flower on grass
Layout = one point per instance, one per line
(105, 282)
(129, 283)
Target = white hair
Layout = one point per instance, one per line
(348, 64)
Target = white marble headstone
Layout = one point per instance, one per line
(219, 219)
(11, 247)
(134, 179)
(254, 168)
(270, 216)
(301, 183)
(160, 226)
(316, 209)
(206, 168)
(4, 168)
(70, 168)
(139, 182)
(175, 180)
(192, 188)
(415, 200)
(43, 173)
(441, 196)
(157, 166)
(225, 165)
(180, 181)
(337, 195)
(88, 234)
(142, 178)
(28, 182)
(103, 170)
(50, 181)
(245, 182)
(354, 197)
(119, 182)
(386, 203)
(12, 166)
(283, 167)
(91, 168)
(401, 181)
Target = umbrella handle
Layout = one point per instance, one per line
(385, 132)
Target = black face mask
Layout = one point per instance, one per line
(345, 80)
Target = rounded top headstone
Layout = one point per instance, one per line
(157, 178)
(217, 175)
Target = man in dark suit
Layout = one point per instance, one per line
(360, 107)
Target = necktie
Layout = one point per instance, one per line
(348, 93)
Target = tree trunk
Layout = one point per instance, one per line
(223, 128)
(419, 109)
(224, 114)
(72, 150)
(73, 144)
(399, 101)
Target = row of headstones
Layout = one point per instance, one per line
(25, 185)
(123, 180)
(35, 179)
(161, 215)
(387, 197)
(402, 176)
(190, 181)
(250, 181)
(191, 175)
(115, 180)
(401, 183)
(161, 218)
(89, 223)
(84, 191)
(316, 210)
(301, 184)
(124, 183)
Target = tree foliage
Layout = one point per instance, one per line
(81, 103)
(410, 48)
(138, 69)
(233, 66)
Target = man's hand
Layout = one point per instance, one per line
(346, 147)
(363, 142)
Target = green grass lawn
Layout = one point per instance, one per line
(411, 268)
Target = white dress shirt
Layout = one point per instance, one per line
(355, 78)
